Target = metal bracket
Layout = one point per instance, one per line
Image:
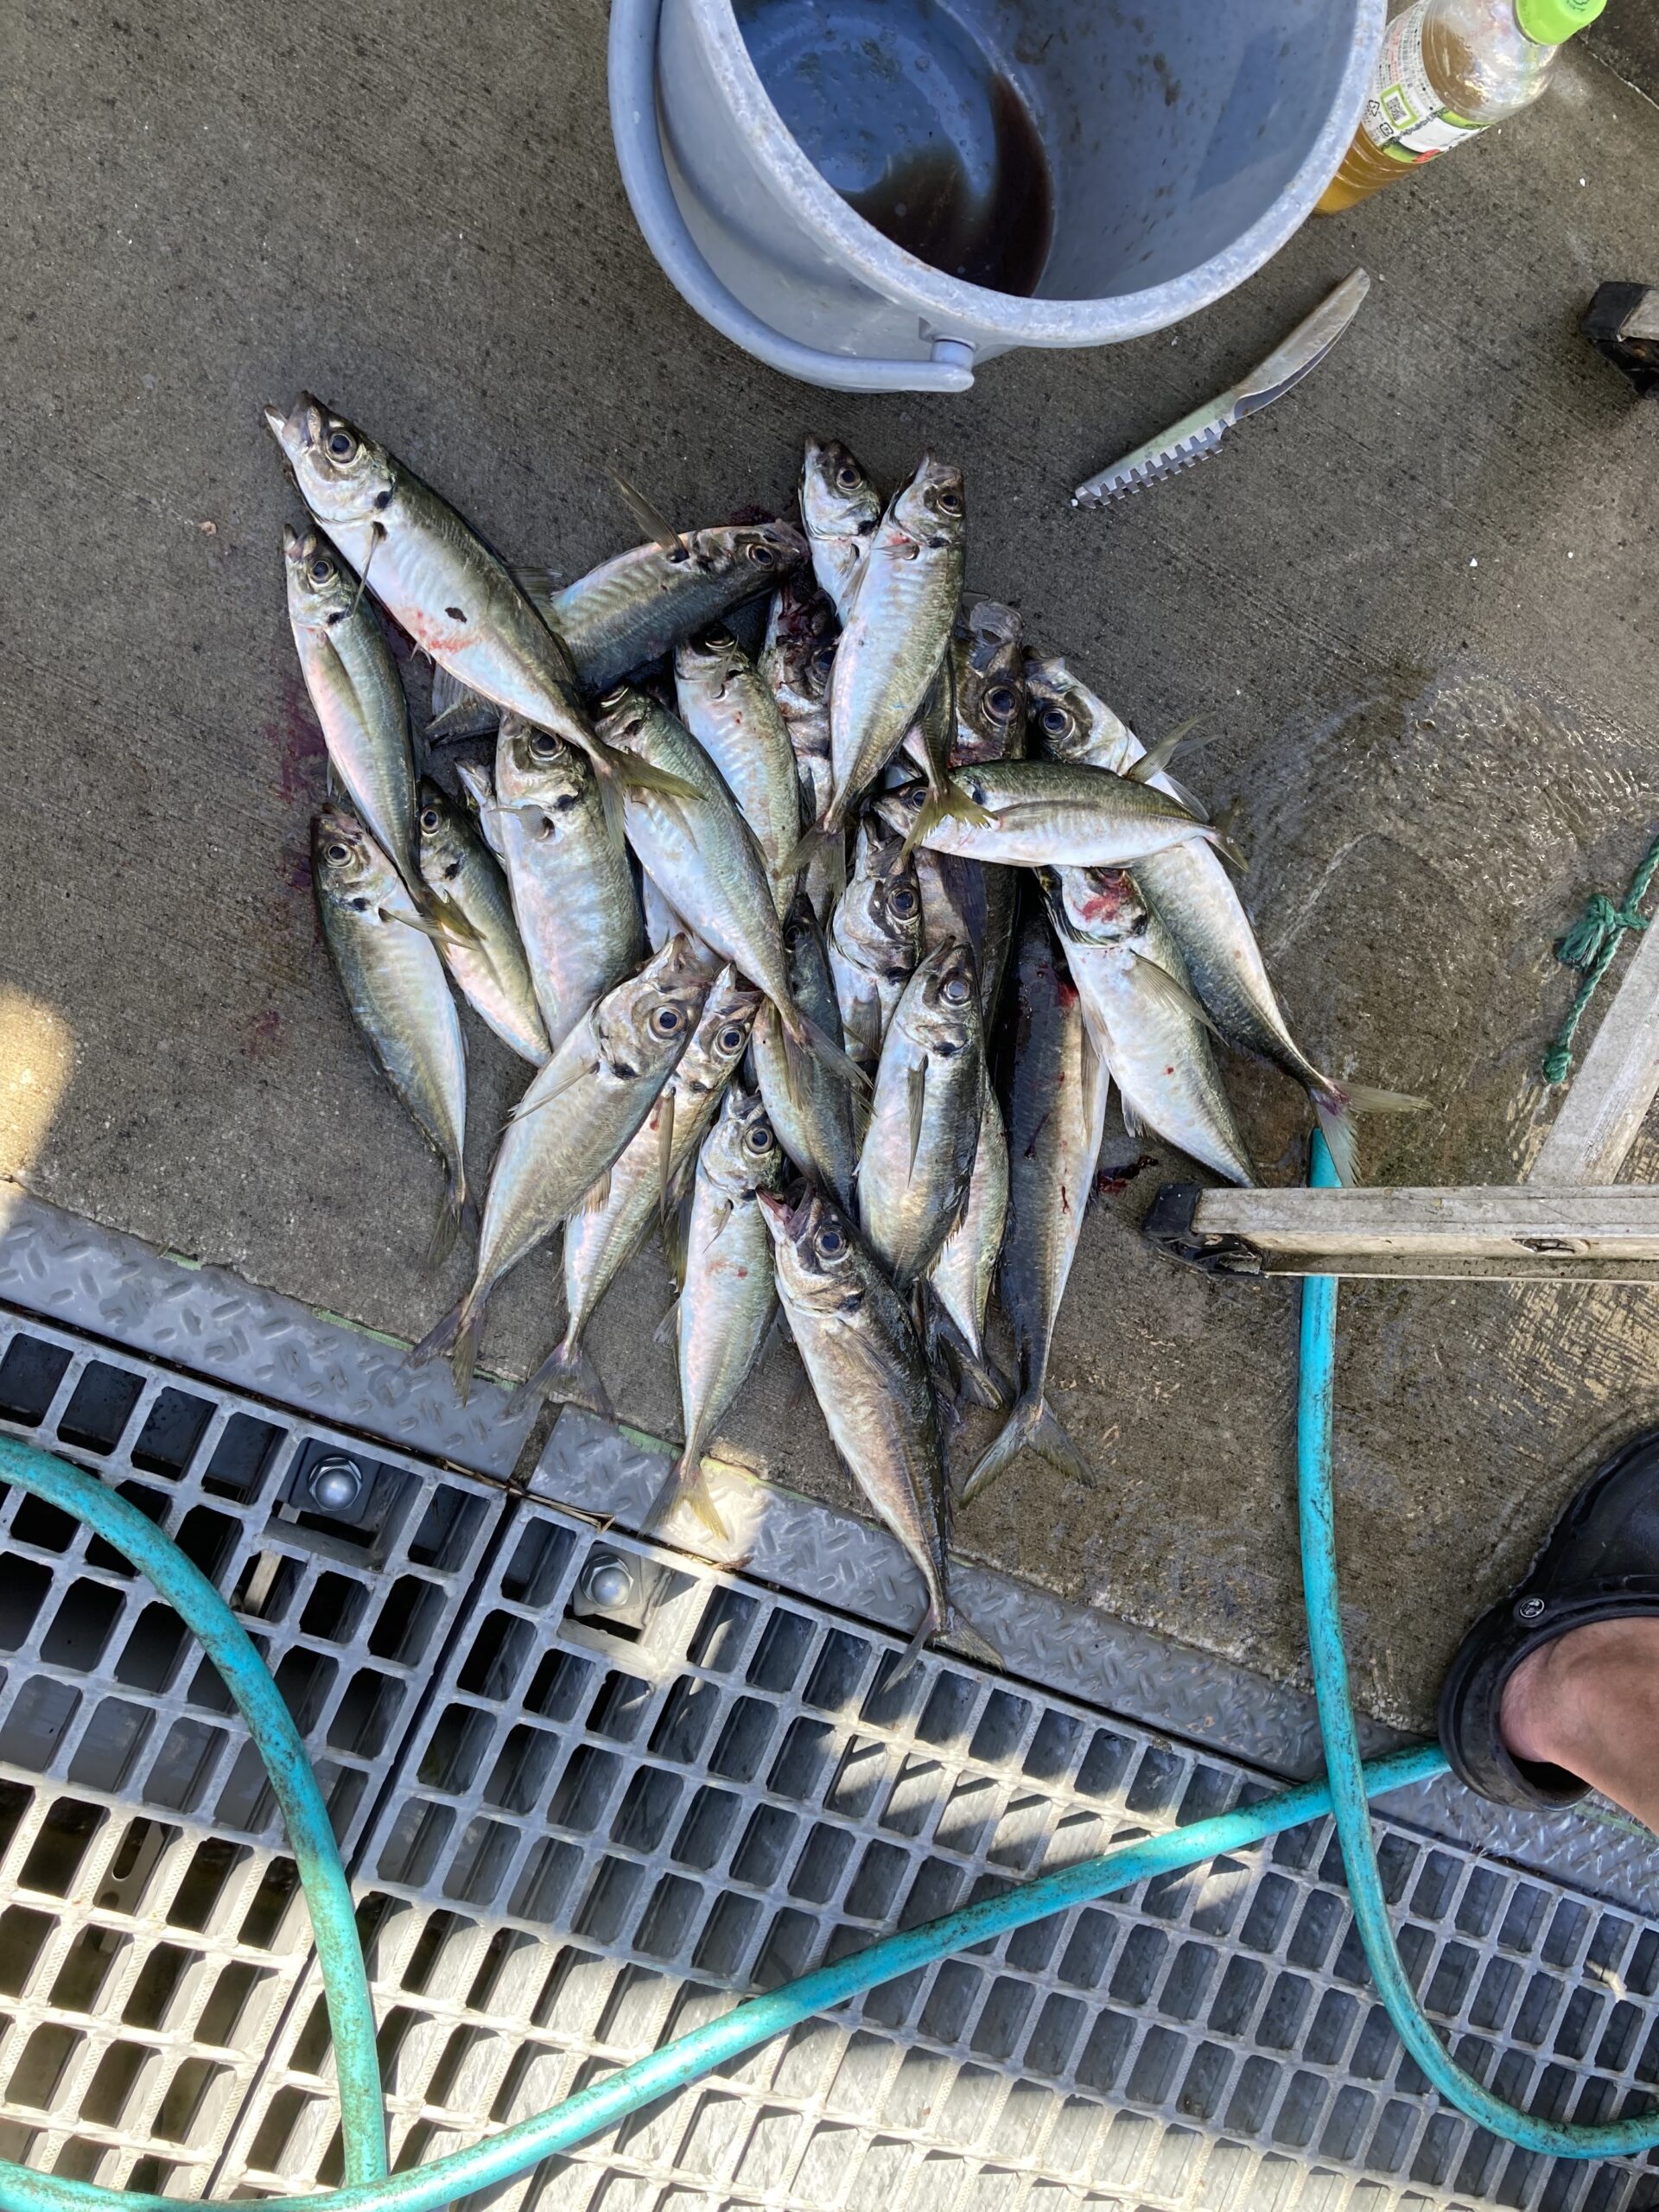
(1169, 1227)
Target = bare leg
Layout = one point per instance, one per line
(1589, 1701)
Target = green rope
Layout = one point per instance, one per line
(1589, 945)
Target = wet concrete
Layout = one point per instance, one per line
(1419, 596)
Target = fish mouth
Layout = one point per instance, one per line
(299, 428)
(787, 1212)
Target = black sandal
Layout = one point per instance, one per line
(1600, 1563)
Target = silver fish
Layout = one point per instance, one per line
(573, 894)
(1051, 813)
(875, 939)
(395, 986)
(728, 1298)
(987, 649)
(488, 964)
(871, 1382)
(357, 693)
(729, 709)
(636, 606)
(704, 856)
(1054, 1101)
(570, 1127)
(1141, 1017)
(965, 1269)
(808, 1105)
(437, 578)
(1193, 895)
(918, 1153)
(797, 662)
(897, 629)
(601, 1239)
(841, 510)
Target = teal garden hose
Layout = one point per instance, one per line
(498, 2158)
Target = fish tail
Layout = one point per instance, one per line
(929, 1625)
(1229, 848)
(455, 1210)
(569, 1377)
(1336, 1104)
(457, 710)
(1032, 1427)
(811, 841)
(945, 800)
(457, 1334)
(688, 1485)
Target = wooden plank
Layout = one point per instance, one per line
(1528, 1233)
(1614, 1086)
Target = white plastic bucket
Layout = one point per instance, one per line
(1185, 141)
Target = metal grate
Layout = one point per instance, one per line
(620, 1786)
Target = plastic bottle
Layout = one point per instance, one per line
(1448, 68)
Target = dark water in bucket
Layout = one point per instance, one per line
(916, 126)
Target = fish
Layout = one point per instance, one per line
(572, 889)
(569, 1130)
(797, 662)
(636, 606)
(730, 710)
(895, 636)
(809, 1109)
(477, 781)
(961, 1278)
(729, 1300)
(1053, 1096)
(439, 580)
(869, 1377)
(705, 859)
(601, 1239)
(1051, 813)
(875, 939)
(394, 983)
(1194, 898)
(986, 651)
(841, 511)
(488, 964)
(356, 695)
(1142, 1019)
(917, 1158)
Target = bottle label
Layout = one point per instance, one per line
(1404, 117)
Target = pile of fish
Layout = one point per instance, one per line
(824, 946)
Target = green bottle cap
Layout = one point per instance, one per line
(1551, 22)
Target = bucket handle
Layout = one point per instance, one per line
(644, 179)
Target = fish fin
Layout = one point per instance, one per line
(945, 799)
(929, 1625)
(458, 710)
(668, 1327)
(801, 1030)
(811, 841)
(689, 1486)
(1172, 991)
(1156, 758)
(577, 1075)
(1231, 853)
(664, 1147)
(724, 1219)
(457, 1335)
(651, 520)
(916, 1091)
(540, 586)
(597, 1196)
(453, 1208)
(646, 776)
(1194, 805)
(1030, 1425)
(971, 1374)
(1336, 1105)
(567, 1375)
(449, 927)
(675, 1230)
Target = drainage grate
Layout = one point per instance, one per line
(620, 1786)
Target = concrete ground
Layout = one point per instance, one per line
(1418, 598)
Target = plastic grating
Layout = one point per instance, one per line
(587, 1824)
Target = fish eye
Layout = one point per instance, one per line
(846, 477)
(1000, 702)
(321, 570)
(337, 852)
(955, 991)
(761, 555)
(615, 696)
(665, 1021)
(1055, 720)
(342, 446)
(823, 660)
(719, 637)
(903, 902)
(730, 1039)
(830, 1244)
(430, 819)
(758, 1139)
(544, 746)
(949, 503)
